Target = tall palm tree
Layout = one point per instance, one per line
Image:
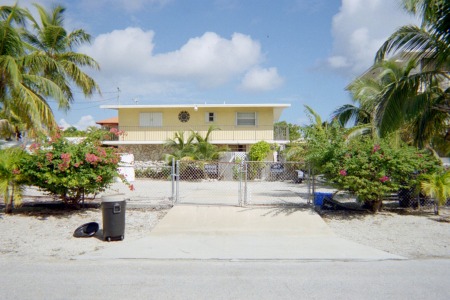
(399, 101)
(360, 118)
(22, 90)
(428, 44)
(51, 39)
(40, 64)
(430, 41)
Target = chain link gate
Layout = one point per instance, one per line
(239, 183)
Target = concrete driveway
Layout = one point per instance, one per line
(196, 232)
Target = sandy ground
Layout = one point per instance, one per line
(48, 233)
(409, 233)
(43, 233)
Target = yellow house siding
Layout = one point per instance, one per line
(225, 119)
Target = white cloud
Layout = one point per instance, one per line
(359, 29)
(122, 51)
(63, 124)
(207, 61)
(82, 124)
(258, 79)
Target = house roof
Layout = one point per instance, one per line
(278, 108)
(113, 120)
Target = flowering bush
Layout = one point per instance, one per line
(70, 170)
(371, 171)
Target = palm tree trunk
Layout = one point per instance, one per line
(9, 203)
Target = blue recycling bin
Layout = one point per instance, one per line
(319, 196)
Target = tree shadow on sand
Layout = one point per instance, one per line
(44, 209)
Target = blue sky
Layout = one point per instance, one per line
(226, 51)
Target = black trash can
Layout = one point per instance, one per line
(113, 211)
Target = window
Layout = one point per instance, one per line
(246, 118)
(150, 119)
(210, 117)
(238, 148)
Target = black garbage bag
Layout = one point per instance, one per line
(86, 230)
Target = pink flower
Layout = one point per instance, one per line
(34, 147)
(65, 157)
(99, 179)
(16, 172)
(92, 158)
(49, 156)
(63, 166)
(376, 148)
(384, 179)
(56, 137)
(343, 173)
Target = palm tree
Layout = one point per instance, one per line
(195, 147)
(429, 45)
(51, 40)
(430, 41)
(32, 69)
(22, 89)
(180, 147)
(11, 180)
(202, 148)
(390, 95)
(437, 187)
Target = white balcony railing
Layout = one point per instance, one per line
(225, 133)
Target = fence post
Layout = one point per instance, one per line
(173, 181)
(177, 178)
(240, 192)
(244, 170)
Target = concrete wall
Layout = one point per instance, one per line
(144, 152)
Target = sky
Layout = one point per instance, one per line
(298, 52)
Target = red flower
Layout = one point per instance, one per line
(384, 179)
(99, 178)
(376, 148)
(343, 173)
(131, 187)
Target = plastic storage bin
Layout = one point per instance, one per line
(318, 198)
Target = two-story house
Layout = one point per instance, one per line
(148, 127)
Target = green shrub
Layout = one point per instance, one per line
(372, 170)
(259, 151)
(154, 173)
(71, 170)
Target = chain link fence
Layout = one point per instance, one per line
(209, 183)
(256, 183)
(242, 183)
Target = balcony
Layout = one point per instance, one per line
(228, 134)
